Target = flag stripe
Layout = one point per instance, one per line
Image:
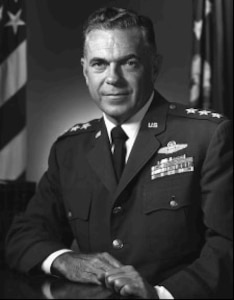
(13, 158)
(12, 117)
(201, 71)
(13, 73)
(8, 48)
(10, 44)
(13, 77)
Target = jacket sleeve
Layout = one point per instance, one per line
(211, 275)
(43, 228)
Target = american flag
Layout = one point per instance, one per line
(201, 74)
(13, 77)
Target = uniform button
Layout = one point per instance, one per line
(174, 204)
(172, 106)
(117, 210)
(69, 214)
(117, 244)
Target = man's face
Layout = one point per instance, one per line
(119, 70)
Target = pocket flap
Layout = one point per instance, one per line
(169, 199)
(79, 202)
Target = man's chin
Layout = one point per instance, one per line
(119, 117)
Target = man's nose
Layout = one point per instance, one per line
(114, 75)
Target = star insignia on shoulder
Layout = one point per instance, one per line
(75, 128)
(86, 126)
(80, 127)
(191, 110)
(216, 115)
(204, 112)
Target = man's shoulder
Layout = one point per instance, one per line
(183, 111)
(81, 129)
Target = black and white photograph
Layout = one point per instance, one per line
(116, 149)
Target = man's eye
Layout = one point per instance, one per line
(132, 64)
(99, 65)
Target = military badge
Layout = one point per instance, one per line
(153, 125)
(215, 115)
(171, 166)
(206, 113)
(191, 111)
(98, 135)
(75, 128)
(172, 147)
(78, 127)
(86, 126)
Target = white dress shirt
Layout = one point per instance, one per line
(131, 128)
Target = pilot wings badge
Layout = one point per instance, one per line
(172, 147)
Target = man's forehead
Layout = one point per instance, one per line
(98, 40)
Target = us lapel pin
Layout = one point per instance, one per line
(152, 125)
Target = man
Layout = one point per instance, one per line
(145, 191)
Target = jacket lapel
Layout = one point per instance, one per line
(146, 144)
(100, 159)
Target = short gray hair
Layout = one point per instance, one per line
(110, 18)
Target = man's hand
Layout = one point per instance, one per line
(126, 281)
(63, 289)
(84, 268)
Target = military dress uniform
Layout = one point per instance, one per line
(170, 216)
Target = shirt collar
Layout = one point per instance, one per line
(132, 126)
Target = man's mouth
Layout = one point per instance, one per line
(116, 94)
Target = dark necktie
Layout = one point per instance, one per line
(119, 138)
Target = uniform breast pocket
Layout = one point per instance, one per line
(166, 211)
(78, 202)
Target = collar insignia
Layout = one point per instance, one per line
(152, 125)
(98, 135)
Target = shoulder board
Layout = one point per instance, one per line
(195, 113)
(81, 128)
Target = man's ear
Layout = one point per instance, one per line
(84, 65)
(157, 64)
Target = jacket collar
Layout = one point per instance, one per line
(146, 145)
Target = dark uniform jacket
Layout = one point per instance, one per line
(170, 216)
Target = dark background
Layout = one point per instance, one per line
(57, 94)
